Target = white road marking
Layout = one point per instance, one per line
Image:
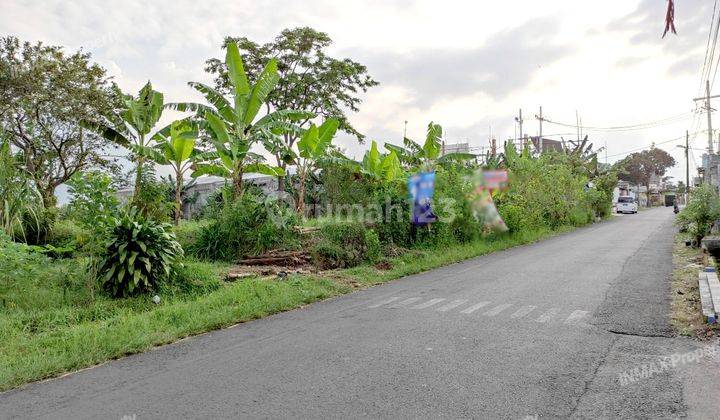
(384, 302)
(428, 304)
(547, 316)
(451, 305)
(575, 317)
(406, 302)
(523, 311)
(496, 310)
(475, 307)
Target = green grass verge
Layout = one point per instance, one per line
(41, 343)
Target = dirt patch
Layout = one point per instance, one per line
(686, 314)
(384, 265)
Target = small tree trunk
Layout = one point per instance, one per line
(178, 197)
(301, 194)
(238, 185)
(138, 179)
(48, 197)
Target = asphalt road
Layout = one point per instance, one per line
(540, 330)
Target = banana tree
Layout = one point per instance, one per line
(379, 167)
(231, 125)
(133, 125)
(178, 151)
(430, 153)
(312, 147)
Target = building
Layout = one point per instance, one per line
(455, 148)
(548, 145)
(205, 186)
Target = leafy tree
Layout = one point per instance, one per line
(44, 93)
(313, 147)
(379, 167)
(232, 127)
(639, 168)
(310, 81)
(131, 127)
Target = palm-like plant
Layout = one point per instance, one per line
(18, 197)
(132, 127)
(425, 156)
(232, 125)
(177, 150)
(381, 167)
(313, 146)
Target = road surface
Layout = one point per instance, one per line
(539, 331)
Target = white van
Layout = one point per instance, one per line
(626, 205)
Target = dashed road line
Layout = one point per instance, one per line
(428, 304)
(575, 317)
(475, 307)
(547, 316)
(523, 311)
(496, 310)
(451, 305)
(406, 302)
(384, 302)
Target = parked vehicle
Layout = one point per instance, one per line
(626, 205)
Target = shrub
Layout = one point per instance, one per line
(394, 226)
(249, 226)
(345, 244)
(192, 278)
(188, 232)
(702, 210)
(139, 256)
(93, 203)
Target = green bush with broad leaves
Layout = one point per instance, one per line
(140, 255)
(702, 210)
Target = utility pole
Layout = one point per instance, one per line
(405, 131)
(687, 164)
(709, 110)
(540, 137)
(519, 120)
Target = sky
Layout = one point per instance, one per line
(470, 66)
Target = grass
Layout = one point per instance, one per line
(80, 330)
(686, 315)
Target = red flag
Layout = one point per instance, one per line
(670, 19)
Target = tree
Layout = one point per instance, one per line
(232, 127)
(313, 147)
(425, 156)
(18, 197)
(44, 93)
(639, 168)
(178, 150)
(131, 127)
(310, 81)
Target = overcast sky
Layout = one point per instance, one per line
(466, 65)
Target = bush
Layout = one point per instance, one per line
(394, 226)
(192, 278)
(702, 210)
(345, 244)
(188, 232)
(249, 226)
(93, 203)
(140, 255)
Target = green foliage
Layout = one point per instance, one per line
(20, 201)
(44, 95)
(702, 210)
(345, 244)
(139, 256)
(394, 227)
(247, 226)
(93, 201)
(232, 127)
(151, 198)
(543, 192)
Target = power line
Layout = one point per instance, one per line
(627, 152)
(633, 127)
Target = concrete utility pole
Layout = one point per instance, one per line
(540, 137)
(519, 120)
(687, 164)
(709, 110)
